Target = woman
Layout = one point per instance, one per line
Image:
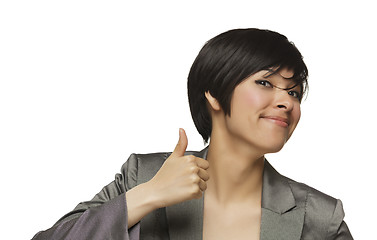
(245, 89)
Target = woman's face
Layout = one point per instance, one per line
(262, 113)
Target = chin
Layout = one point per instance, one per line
(274, 147)
(274, 150)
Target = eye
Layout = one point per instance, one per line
(264, 83)
(294, 94)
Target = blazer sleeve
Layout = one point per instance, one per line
(103, 217)
(338, 229)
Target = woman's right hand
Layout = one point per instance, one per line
(181, 177)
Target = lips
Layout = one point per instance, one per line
(280, 121)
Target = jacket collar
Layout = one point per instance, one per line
(280, 219)
(275, 189)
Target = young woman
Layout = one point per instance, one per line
(244, 89)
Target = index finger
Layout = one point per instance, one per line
(202, 163)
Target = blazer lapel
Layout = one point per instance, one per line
(185, 219)
(281, 217)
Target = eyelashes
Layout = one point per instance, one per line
(264, 83)
(290, 92)
(295, 94)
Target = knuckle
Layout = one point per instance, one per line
(190, 158)
(195, 190)
(195, 179)
(194, 169)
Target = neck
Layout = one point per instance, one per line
(235, 174)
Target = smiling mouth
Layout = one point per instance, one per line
(280, 121)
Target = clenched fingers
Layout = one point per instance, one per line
(202, 185)
(203, 174)
(202, 163)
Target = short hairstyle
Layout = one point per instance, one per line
(231, 57)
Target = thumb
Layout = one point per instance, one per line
(180, 149)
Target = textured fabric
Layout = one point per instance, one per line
(102, 218)
(290, 210)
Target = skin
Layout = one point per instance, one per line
(236, 152)
(179, 179)
(262, 120)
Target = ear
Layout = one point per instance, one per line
(215, 105)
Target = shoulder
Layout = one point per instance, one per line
(313, 198)
(140, 168)
(323, 213)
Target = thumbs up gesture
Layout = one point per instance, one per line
(181, 177)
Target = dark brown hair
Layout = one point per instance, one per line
(231, 57)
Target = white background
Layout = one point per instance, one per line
(86, 83)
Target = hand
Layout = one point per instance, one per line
(181, 177)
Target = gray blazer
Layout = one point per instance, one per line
(290, 210)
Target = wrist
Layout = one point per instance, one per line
(152, 196)
(147, 197)
(140, 202)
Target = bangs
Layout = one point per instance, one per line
(228, 59)
(300, 76)
(248, 53)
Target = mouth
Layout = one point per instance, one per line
(280, 121)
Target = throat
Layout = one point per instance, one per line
(234, 180)
(235, 221)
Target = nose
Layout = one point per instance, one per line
(284, 101)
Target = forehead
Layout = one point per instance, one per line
(284, 73)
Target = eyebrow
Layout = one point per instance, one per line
(288, 88)
(271, 72)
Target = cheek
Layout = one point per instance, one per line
(296, 115)
(246, 99)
